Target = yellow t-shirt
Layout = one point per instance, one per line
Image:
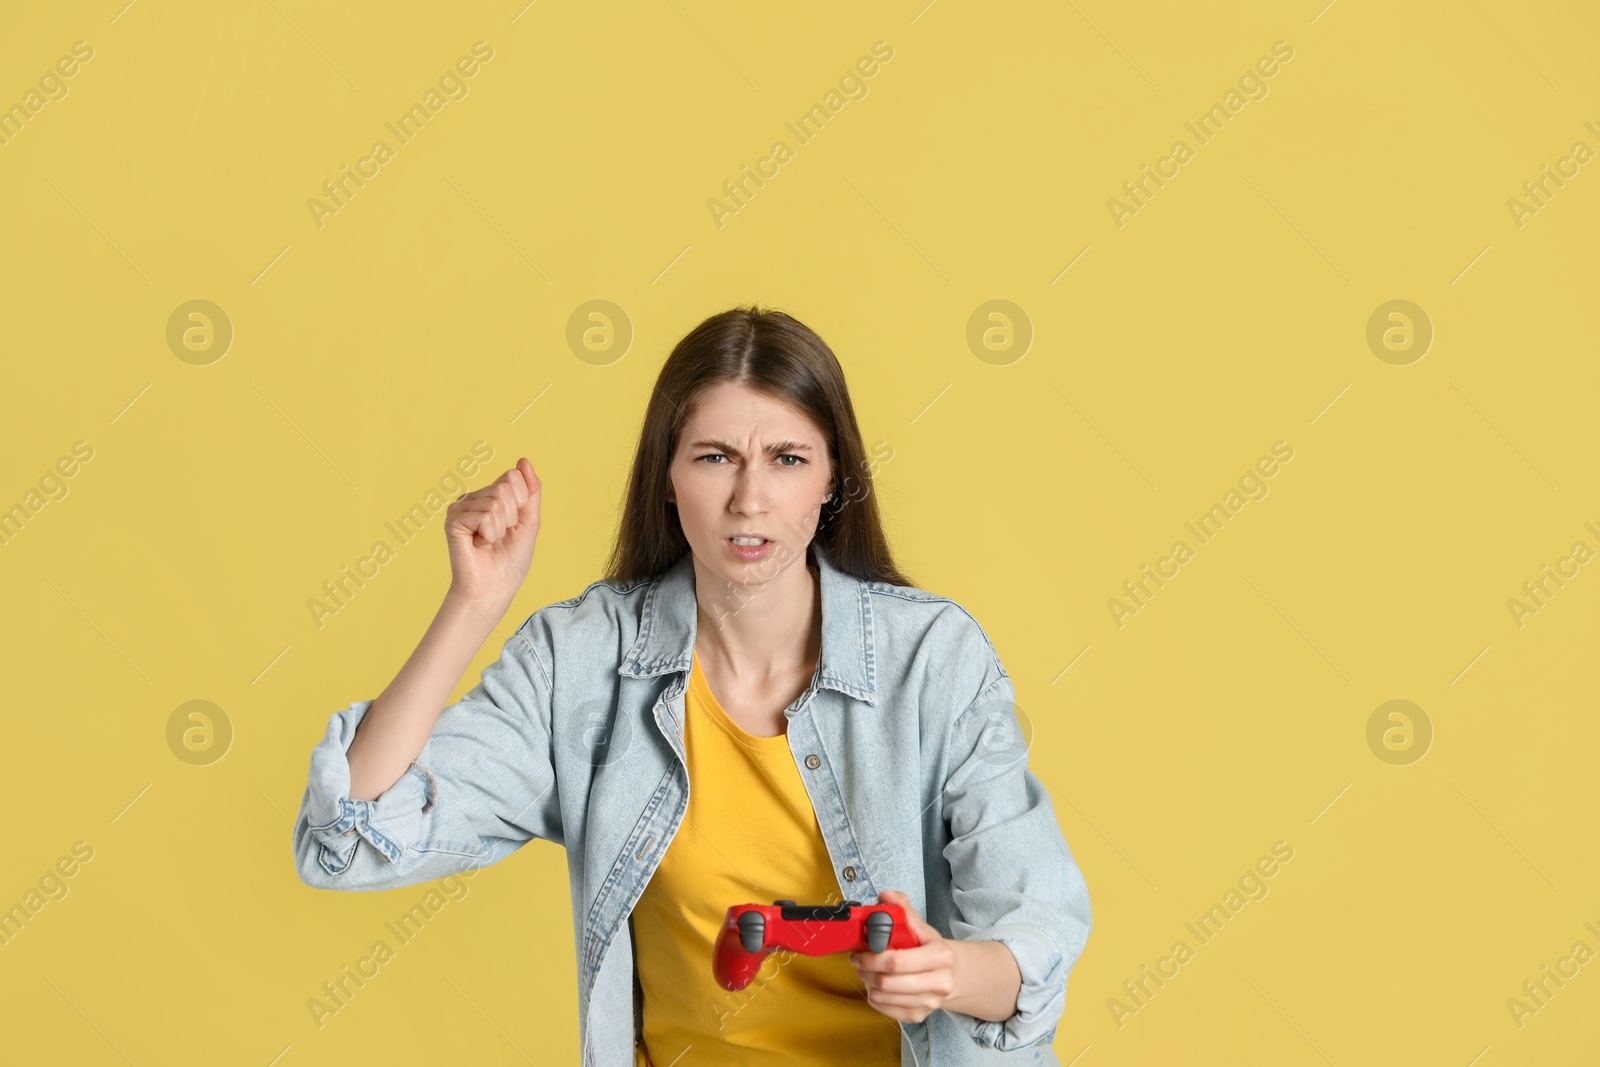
(749, 837)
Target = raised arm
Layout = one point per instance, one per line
(403, 789)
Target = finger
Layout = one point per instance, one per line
(924, 1000)
(919, 926)
(906, 987)
(501, 493)
(505, 499)
(480, 517)
(889, 986)
(530, 503)
(518, 484)
(488, 530)
(905, 1005)
(477, 500)
(902, 960)
(473, 508)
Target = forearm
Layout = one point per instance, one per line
(987, 981)
(398, 724)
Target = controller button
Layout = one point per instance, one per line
(752, 930)
(784, 903)
(813, 762)
(849, 874)
(880, 928)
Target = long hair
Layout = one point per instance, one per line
(775, 354)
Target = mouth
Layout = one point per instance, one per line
(748, 548)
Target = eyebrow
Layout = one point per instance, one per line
(776, 448)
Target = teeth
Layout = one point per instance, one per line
(748, 540)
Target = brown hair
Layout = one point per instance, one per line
(776, 354)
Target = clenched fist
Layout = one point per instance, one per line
(491, 533)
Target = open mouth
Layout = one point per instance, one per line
(748, 548)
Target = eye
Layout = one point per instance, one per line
(799, 460)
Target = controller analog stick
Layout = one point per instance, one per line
(880, 925)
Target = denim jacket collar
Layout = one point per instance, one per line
(667, 629)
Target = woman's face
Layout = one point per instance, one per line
(748, 464)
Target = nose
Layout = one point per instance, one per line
(749, 493)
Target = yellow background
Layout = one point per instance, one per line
(1229, 313)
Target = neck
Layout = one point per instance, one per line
(761, 629)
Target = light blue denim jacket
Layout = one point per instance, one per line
(907, 741)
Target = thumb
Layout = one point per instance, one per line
(529, 510)
(924, 932)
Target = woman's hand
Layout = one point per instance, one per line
(909, 984)
(491, 534)
(979, 978)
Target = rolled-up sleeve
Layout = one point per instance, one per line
(1013, 876)
(482, 786)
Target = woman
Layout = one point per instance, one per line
(711, 725)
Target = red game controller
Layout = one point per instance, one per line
(751, 931)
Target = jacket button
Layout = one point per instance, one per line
(849, 874)
(813, 762)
